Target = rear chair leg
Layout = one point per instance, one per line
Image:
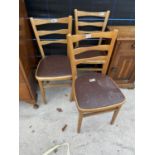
(79, 122)
(72, 95)
(42, 91)
(115, 115)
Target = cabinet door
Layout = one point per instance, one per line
(122, 67)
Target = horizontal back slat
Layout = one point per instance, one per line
(96, 24)
(63, 41)
(91, 48)
(92, 60)
(47, 32)
(96, 14)
(84, 32)
(78, 37)
(64, 20)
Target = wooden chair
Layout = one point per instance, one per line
(94, 92)
(53, 67)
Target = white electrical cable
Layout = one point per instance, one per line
(57, 146)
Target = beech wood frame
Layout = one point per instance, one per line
(35, 22)
(71, 39)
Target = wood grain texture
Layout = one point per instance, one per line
(122, 65)
(27, 59)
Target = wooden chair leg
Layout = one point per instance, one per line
(42, 91)
(71, 95)
(35, 106)
(79, 122)
(115, 115)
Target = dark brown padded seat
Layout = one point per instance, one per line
(53, 66)
(96, 94)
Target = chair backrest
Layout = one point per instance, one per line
(104, 59)
(101, 24)
(35, 22)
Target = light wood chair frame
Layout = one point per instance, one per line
(36, 22)
(71, 39)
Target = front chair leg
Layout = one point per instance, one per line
(42, 91)
(79, 122)
(115, 115)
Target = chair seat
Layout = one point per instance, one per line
(54, 66)
(96, 91)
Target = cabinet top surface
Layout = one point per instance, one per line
(124, 32)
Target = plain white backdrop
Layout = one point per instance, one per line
(145, 77)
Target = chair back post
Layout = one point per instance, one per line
(113, 40)
(76, 24)
(37, 37)
(72, 57)
(104, 24)
(69, 31)
(70, 25)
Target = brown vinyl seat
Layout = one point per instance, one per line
(54, 66)
(101, 92)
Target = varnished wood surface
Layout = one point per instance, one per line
(124, 32)
(27, 58)
(122, 65)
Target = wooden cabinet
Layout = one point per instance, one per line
(26, 86)
(27, 59)
(122, 66)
